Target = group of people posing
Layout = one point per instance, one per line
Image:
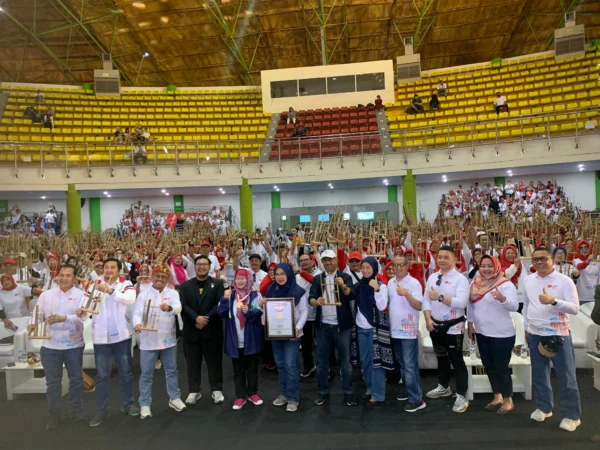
(357, 312)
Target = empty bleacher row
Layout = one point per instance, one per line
(534, 88)
(359, 124)
(191, 116)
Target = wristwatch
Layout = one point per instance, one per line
(441, 298)
(554, 302)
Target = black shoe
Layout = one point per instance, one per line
(308, 372)
(349, 400)
(52, 422)
(403, 396)
(330, 376)
(132, 409)
(77, 416)
(98, 418)
(412, 407)
(270, 368)
(370, 403)
(366, 396)
(321, 399)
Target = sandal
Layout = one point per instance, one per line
(493, 406)
(501, 411)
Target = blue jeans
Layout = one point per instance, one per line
(374, 377)
(286, 358)
(341, 339)
(407, 354)
(148, 359)
(52, 361)
(103, 354)
(564, 366)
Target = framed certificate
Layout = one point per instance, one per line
(280, 320)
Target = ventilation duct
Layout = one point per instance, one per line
(569, 41)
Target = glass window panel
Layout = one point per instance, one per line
(365, 215)
(346, 216)
(287, 88)
(370, 82)
(338, 85)
(312, 86)
(304, 219)
(323, 218)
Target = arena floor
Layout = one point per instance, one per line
(334, 426)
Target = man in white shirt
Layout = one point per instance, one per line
(64, 327)
(406, 300)
(549, 299)
(446, 297)
(112, 338)
(205, 249)
(51, 219)
(154, 318)
(304, 278)
(499, 102)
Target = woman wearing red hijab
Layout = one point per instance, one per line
(589, 271)
(387, 273)
(178, 273)
(491, 302)
(510, 264)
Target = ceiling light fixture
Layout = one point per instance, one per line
(163, 191)
(146, 54)
(43, 197)
(105, 193)
(274, 187)
(166, 193)
(109, 196)
(580, 166)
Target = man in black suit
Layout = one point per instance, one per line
(202, 330)
(332, 324)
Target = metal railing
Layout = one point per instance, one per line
(90, 155)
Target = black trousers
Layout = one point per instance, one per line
(245, 374)
(495, 355)
(448, 349)
(266, 356)
(212, 351)
(307, 341)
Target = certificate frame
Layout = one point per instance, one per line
(280, 318)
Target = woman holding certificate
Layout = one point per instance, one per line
(373, 330)
(243, 336)
(286, 350)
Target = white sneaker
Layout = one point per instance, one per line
(193, 398)
(460, 404)
(539, 416)
(292, 406)
(218, 397)
(177, 405)
(569, 424)
(439, 391)
(145, 412)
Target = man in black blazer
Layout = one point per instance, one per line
(202, 330)
(332, 324)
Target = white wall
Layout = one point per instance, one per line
(261, 209)
(326, 197)
(277, 105)
(580, 188)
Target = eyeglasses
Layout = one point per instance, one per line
(254, 277)
(540, 259)
(354, 260)
(439, 280)
(202, 265)
(395, 266)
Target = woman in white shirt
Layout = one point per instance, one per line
(492, 299)
(373, 330)
(14, 299)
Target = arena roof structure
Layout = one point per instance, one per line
(228, 42)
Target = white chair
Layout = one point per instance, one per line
(583, 333)
(9, 351)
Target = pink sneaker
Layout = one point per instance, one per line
(255, 399)
(239, 402)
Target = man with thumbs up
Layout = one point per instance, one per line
(549, 299)
(446, 297)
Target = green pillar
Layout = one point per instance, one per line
(409, 196)
(3, 208)
(95, 216)
(393, 194)
(73, 210)
(178, 203)
(597, 178)
(500, 180)
(246, 221)
(275, 200)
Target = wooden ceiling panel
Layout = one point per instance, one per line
(201, 42)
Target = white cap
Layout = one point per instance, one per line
(328, 254)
